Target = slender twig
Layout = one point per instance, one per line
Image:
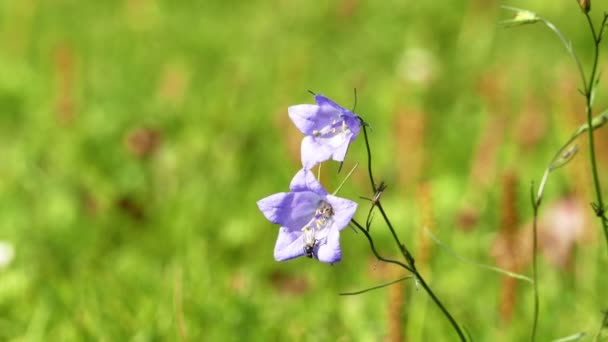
(411, 266)
(535, 204)
(573, 337)
(589, 91)
(373, 248)
(527, 17)
(410, 260)
(369, 155)
(474, 263)
(376, 287)
(563, 156)
(567, 44)
(404, 251)
(345, 179)
(560, 159)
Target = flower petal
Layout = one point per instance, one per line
(332, 110)
(292, 210)
(290, 244)
(330, 252)
(327, 104)
(273, 207)
(313, 152)
(304, 117)
(354, 125)
(305, 180)
(344, 210)
(340, 152)
(328, 110)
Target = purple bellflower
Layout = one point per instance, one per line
(329, 130)
(310, 219)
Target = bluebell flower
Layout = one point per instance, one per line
(310, 219)
(329, 130)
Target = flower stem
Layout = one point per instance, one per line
(369, 154)
(589, 94)
(411, 262)
(440, 305)
(411, 265)
(535, 204)
(372, 246)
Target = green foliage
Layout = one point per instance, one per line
(118, 239)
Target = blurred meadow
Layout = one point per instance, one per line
(137, 135)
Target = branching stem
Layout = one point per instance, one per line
(410, 264)
(589, 95)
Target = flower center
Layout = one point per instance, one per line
(321, 219)
(323, 214)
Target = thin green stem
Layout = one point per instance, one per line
(373, 248)
(404, 251)
(567, 44)
(369, 155)
(535, 204)
(376, 287)
(475, 263)
(410, 260)
(589, 90)
(440, 305)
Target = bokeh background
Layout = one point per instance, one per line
(137, 135)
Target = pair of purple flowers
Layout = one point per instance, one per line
(310, 218)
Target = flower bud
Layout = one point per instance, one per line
(585, 5)
(522, 17)
(564, 158)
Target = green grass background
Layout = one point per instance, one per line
(170, 246)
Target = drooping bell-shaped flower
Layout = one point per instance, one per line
(310, 219)
(329, 130)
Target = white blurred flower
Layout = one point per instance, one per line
(417, 65)
(7, 253)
